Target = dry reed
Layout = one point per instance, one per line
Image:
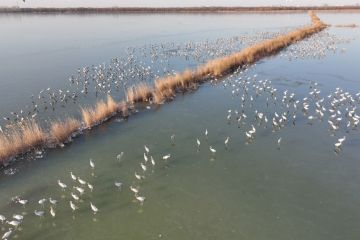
(102, 111)
(61, 131)
(32, 134)
(27, 135)
(139, 93)
(20, 138)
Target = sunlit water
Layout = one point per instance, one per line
(245, 191)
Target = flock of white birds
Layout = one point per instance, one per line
(338, 109)
(146, 63)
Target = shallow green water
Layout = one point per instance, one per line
(246, 191)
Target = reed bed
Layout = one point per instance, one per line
(139, 93)
(102, 111)
(32, 134)
(28, 135)
(61, 131)
(21, 138)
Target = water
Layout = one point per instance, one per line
(248, 191)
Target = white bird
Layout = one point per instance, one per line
(341, 140)
(92, 164)
(14, 223)
(143, 167)
(145, 157)
(91, 187)
(94, 208)
(7, 234)
(22, 201)
(74, 196)
(338, 144)
(18, 217)
(52, 201)
(206, 133)
(82, 182)
(62, 185)
(52, 212)
(279, 142)
(166, 157)
(227, 141)
(80, 190)
(253, 130)
(73, 206)
(212, 149)
(39, 213)
(198, 142)
(2, 218)
(42, 202)
(140, 199)
(119, 156)
(146, 149)
(152, 161)
(134, 189)
(137, 176)
(73, 177)
(118, 185)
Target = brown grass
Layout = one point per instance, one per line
(139, 93)
(60, 131)
(32, 134)
(9, 145)
(27, 135)
(102, 111)
(21, 138)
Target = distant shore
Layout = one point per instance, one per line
(121, 10)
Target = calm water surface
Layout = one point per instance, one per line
(245, 191)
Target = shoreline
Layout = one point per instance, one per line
(172, 10)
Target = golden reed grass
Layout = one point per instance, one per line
(139, 93)
(60, 131)
(102, 111)
(28, 135)
(21, 138)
